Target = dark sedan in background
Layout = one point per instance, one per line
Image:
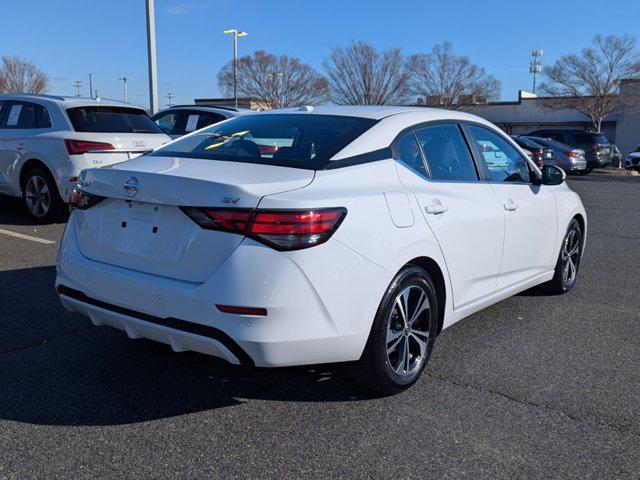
(540, 154)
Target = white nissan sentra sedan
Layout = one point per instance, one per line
(358, 238)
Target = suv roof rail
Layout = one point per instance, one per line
(38, 95)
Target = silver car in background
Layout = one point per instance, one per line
(571, 160)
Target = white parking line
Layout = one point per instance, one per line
(26, 237)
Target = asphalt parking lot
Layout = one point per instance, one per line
(535, 386)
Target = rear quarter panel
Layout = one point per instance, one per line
(379, 249)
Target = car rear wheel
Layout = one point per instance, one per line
(568, 262)
(40, 196)
(402, 334)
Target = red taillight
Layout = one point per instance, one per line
(280, 229)
(78, 147)
(571, 154)
(538, 152)
(594, 148)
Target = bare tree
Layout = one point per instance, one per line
(360, 75)
(590, 81)
(450, 81)
(276, 80)
(20, 76)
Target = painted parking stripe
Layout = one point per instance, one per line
(26, 237)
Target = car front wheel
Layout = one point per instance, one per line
(402, 334)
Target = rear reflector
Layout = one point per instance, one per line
(255, 311)
(280, 229)
(78, 147)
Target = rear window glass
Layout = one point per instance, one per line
(590, 138)
(111, 120)
(289, 140)
(526, 143)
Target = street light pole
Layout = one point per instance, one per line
(124, 81)
(236, 34)
(78, 85)
(91, 85)
(151, 50)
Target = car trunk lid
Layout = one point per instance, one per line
(140, 225)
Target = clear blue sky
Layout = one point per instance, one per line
(70, 38)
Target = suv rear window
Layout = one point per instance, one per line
(589, 138)
(111, 120)
(288, 140)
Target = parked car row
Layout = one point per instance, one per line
(545, 148)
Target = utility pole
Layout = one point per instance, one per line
(535, 67)
(169, 96)
(151, 50)
(78, 85)
(91, 85)
(276, 77)
(236, 34)
(125, 79)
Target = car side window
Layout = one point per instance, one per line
(408, 152)
(447, 153)
(208, 118)
(167, 122)
(43, 120)
(503, 161)
(20, 115)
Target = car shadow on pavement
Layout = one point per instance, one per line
(63, 371)
(12, 212)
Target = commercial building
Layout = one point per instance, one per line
(531, 112)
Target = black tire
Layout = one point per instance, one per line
(561, 283)
(375, 370)
(43, 205)
(586, 171)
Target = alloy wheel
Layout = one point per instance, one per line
(38, 196)
(570, 257)
(408, 332)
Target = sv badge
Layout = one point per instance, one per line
(233, 200)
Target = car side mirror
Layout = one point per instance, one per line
(551, 175)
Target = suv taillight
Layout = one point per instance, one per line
(279, 229)
(78, 147)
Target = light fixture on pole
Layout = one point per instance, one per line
(536, 66)
(236, 34)
(78, 85)
(169, 96)
(125, 79)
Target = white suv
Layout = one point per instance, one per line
(45, 141)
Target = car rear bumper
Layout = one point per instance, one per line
(307, 320)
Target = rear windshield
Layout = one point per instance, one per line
(111, 120)
(526, 143)
(288, 140)
(590, 138)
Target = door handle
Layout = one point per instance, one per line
(510, 205)
(436, 208)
